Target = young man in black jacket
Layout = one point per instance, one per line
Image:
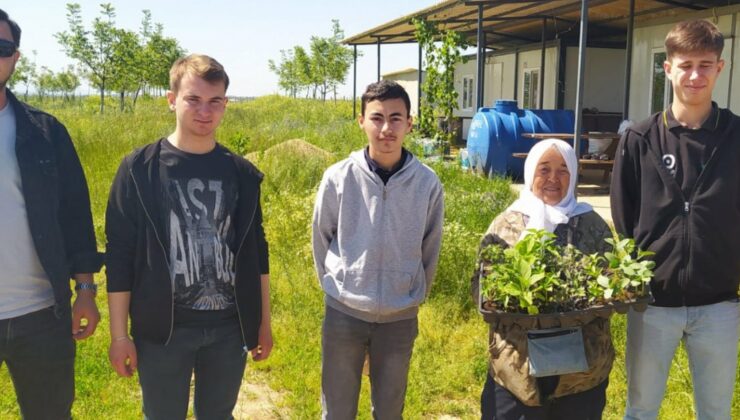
(187, 258)
(676, 190)
(48, 237)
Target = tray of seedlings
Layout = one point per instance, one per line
(537, 278)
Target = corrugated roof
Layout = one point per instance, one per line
(509, 23)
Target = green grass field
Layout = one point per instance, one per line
(449, 363)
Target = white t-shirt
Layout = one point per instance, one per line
(24, 286)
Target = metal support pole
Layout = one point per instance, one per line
(418, 85)
(354, 83)
(483, 74)
(628, 62)
(581, 67)
(516, 73)
(378, 59)
(481, 59)
(542, 64)
(562, 51)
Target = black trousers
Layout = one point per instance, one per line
(39, 351)
(497, 403)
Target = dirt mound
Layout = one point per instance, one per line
(295, 147)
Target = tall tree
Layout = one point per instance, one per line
(159, 52)
(320, 72)
(67, 82)
(302, 63)
(95, 48)
(127, 70)
(340, 58)
(116, 59)
(285, 70)
(25, 72)
(45, 83)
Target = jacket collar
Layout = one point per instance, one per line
(710, 124)
(374, 165)
(358, 158)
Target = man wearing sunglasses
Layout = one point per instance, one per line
(48, 238)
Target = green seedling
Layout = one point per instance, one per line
(537, 276)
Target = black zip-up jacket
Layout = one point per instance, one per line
(56, 197)
(136, 260)
(696, 238)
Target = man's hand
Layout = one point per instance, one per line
(264, 343)
(84, 308)
(122, 356)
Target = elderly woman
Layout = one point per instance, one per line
(546, 202)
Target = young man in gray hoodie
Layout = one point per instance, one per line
(377, 227)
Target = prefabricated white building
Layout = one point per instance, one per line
(409, 79)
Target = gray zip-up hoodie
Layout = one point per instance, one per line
(376, 246)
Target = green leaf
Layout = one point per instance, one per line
(511, 290)
(536, 278)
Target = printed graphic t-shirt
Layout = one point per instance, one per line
(198, 207)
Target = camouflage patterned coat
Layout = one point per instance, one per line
(509, 363)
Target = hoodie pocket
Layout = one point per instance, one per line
(378, 291)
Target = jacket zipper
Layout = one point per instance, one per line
(236, 267)
(683, 279)
(375, 177)
(164, 252)
(382, 240)
(685, 249)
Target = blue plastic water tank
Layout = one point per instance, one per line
(495, 133)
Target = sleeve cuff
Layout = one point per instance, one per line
(87, 262)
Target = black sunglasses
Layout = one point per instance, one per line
(7, 48)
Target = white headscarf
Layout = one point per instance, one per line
(541, 215)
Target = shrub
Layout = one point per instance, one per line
(471, 202)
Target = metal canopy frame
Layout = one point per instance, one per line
(510, 24)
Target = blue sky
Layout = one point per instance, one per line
(242, 35)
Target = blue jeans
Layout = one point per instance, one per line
(39, 351)
(214, 354)
(344, 342)
(710, 334)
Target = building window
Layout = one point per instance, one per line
(661, 93)
(467, 93)
(531, 89)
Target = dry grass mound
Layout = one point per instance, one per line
(295, 148)
(293, 166)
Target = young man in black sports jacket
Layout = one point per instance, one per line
(676, 190)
